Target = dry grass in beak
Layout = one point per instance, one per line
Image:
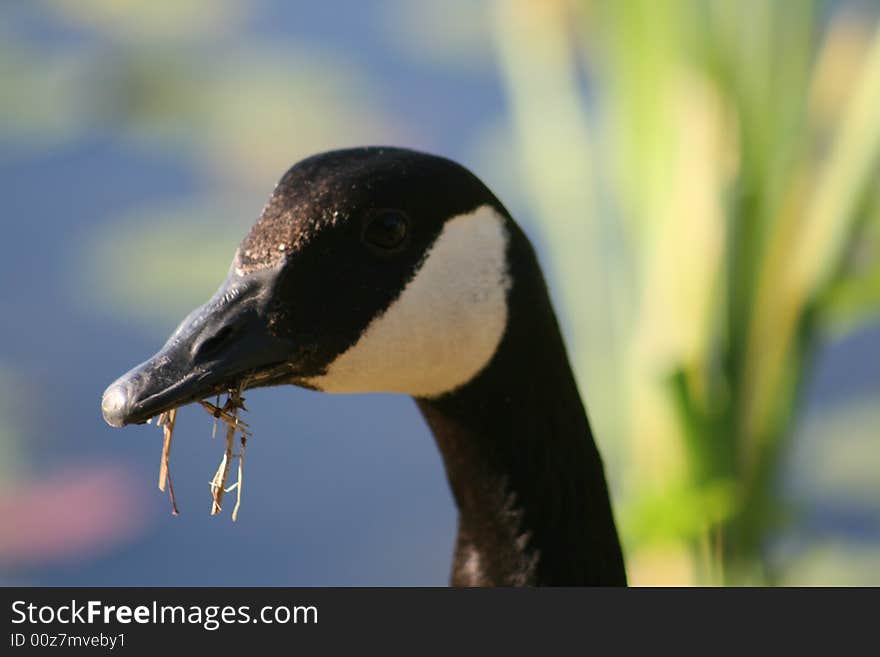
(228, 414)
(166, 421)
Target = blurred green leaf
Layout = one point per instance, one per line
(252, 119)
(535, 47)
(850, 168)
(679, 512)
(152, 20)
(247, 121)
(453, 33)
(155, 264)
(853, 298)
(44, 99)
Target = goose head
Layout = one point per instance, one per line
(368, 270)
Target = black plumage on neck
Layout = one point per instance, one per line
(520, 457)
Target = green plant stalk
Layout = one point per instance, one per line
(734, 392)
(805, 250)
(537, 55)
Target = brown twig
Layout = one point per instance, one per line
(166, 421)
(238, 484)
(229, 418)
(214, 428)
(229, 414)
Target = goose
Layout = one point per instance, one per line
(381, 269)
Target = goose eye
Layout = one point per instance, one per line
(387, 230)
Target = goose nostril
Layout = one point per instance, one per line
(210, 345)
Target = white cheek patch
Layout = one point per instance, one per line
(446, 324)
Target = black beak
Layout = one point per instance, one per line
(221, 345)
